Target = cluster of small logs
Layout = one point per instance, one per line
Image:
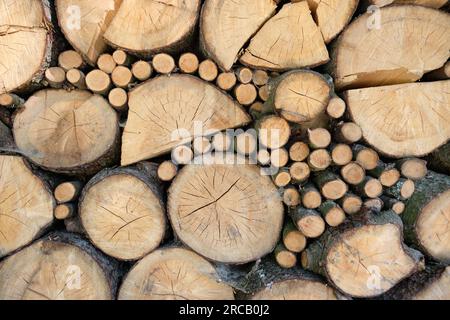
(255, 162)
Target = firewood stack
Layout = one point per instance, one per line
(262, 149)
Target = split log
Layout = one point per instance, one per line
(273, 48)
(226, 26)
(268, 281)
(60, 266)
(371, 109)
(26, 204)
(412, 168)
(169, 28)
(439, 160)
(157, 277)
(84, 23)
(27, 43)
(300, 96)
(426, 216)
(365, 257)
(70, 132)
(308, 221)
(123, 212)
(354, 65)
(177, 103)
(431, 284)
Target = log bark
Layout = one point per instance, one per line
(426, 216)
(60, 266)
(28, 44)
(146, 135)
(226, 212)
(439, 160)
(122, 211)
(69, 132)
(364, 257)
(223, 33)
(170, 28)
(353, 67)
(371, 109)
(272, 48)
(26, 204)
(157, 277)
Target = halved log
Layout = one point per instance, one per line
(27, 43)
(288, 40)
(174, 274)
(300, 96)
(380, 49)
(431, 284)
(71, 132)
(148, 27)
(60, 266)
(155, 125)
(332, 16)
(403, 120)
(122, 211)
(364, 257)
(226, 212)
(226, 26)
(268, 281)
(26, 204)
(427, 214)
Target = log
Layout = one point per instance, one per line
(226, 81)
(263, 157)
(167, 170)
(76, 78)
(84, 25)
(70, 59)
(222, 142)
(332, 213)
(188, 63)
(264, 92)
(268, 281)
(433, 283)
(332, 17)
(319, 160)
(293, 239)
(282, 179)
(291, 198)
(67, 191)
(163, 63)
(354, 65)
(182, 155)
(60, 266)
(121, 58)
(351, 203)
(353, 173)
(28, 44)
(412, 168)
(371, 109)
(55, 77)
(426, 216)
(146, 135)
(402, 190)
(246, 143)
(319, 138)
(386, 173)
(106, 63)
(245, 94)
(98, 82)
(279, 157)
(260, 78)
(300, 96)
(207, 70)
(393, 204)
(170, 28)
(10, 101)
(311, 197)
(348, 133)
(123, 212)
(439, 160)
(299, 172)
(299, 151)
(336, 107)
(223, 33)
(201, 145)
(244, 75)
(272, 48)
(226, 213)
(118, 99)
(285, 258)
(121, 77)
(273, 132)
(367, 158)
(142, 70)
(157, 277)
(330, 185)
(370, 188)
(70, 132)
(26, 204)
(308, 221)
(64, 211)
(363, 258)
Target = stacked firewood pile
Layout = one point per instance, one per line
(224, 149)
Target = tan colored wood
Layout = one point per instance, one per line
(413, 168)
(260, 78)
(264, 92)
(291, 198)
(121, 77)
(311, 198)
(68, 191)
(309, 222)
(336, 107)
(64, 211)
(293, 239)
(142, 70)
(353, 173)
(167, 171)
(98, 82)
(273, 48)
(163, 63)
(382, 128)
(55, 77)
(319, 159)
(226, 210)
(366, 157)
(226, 81)
(70, 59)
(106, 63)
(118, 99)
(282, 179)
(279, 157)
(153, 126)
(201, 145)
(285, 258)
(207, 70)
(245, 94)
(76, 78)
(188, 63)
(273, 132)
(299, 171)
(182, 155)
(348, 132)
(223, 33)
(244, 75)
(351, 204)
(406, 61)
(319, 138)
(163, 268)
(299, 151)
(341, 154)
(26, 205)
